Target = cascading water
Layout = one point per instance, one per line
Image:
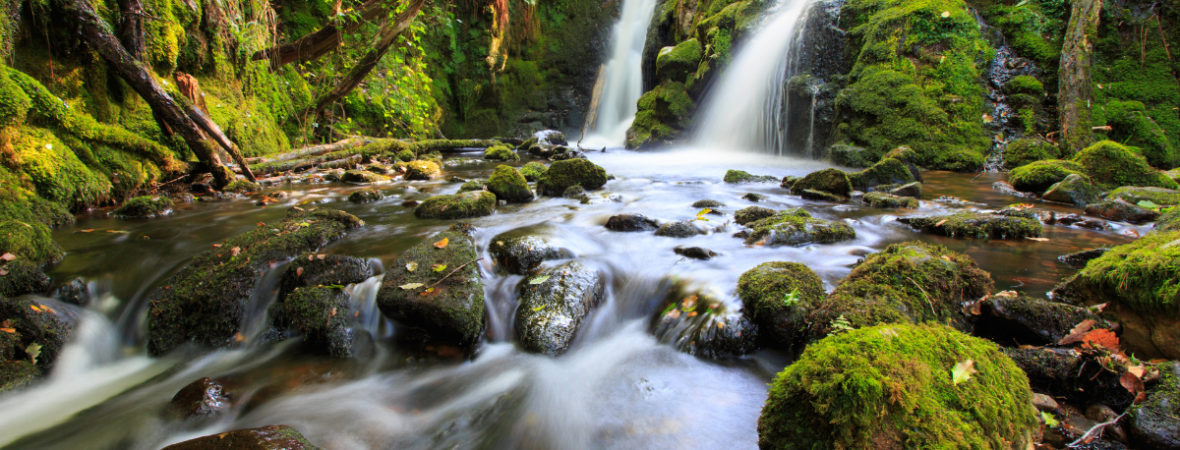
(747, 109)
(621, 80)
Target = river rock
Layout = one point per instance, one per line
(1155, 423)
(22, 276)
(271, 437)
(913, 190)
(631, 222)
(1019, 320)
(1080, 258)
(1045, 403)
(754, 197)
(319, 269)
(680, 229)
(699, 321)
(973, 224)
(797, 227)
(322, 315)
(454, 311)
(365, 196)
(1074, 189)
(144, 207)
(777, 296)
(522, 250)
(509, 185)
(879, 200)
(1157, 195)
(76, 292)
(887, 171)
(1169, 221)
(741, 177)
(751, 214)
(551, 310)
(1004, 188)
(831, 180)
(788, 181)
(458, 206)
(707, 203)
(1072, 219)
(1066, 374)
(362, 177)
(700, 253)
(200, 399)
(422, 170)
(205, 302)
(40, 325)
(575, 193)
(812, 194)
(533, 171)
(473, 185)
(1121, 211)
(563, 174)
(500, 153)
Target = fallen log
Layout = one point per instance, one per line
(315, 45)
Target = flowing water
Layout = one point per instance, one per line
(617, 388)
(622, 77)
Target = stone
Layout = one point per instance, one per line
(454, 311)
(974, 224)
(1045, 403)
(913, 190)
(879, 200)
(700, 321)
(144, 207)
(563, 174)
(463, 205)
(753, 197)
(742, 177)
(201, 399)
(797, 227)
(1019, 320)
(811, 194)
(751, 214)
(422, 170)
(44, 322)
(553, 306)
(76, 292)
(707, 204)
(365, 196)
(700, 253)
(1121, 211)
(271, 437)
(1155, 423)
(509, 185)
(631, 222)
(777, 297)
(362, 177)
(1080, 258)
(832, 180)
(1074, 189)
(522, 250)
(680, 229)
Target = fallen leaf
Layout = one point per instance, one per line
(1038, 239)
(8, 330)
(1079, 330)
(333, 312)
(119, 231)
(692, 314)
(3, 271)
(1137, 370)
(88, 230)
(939, 224)
(33, 350)
(438, 267)
(720, 324)
(35, 308)
(1102, 338)
(412, 266)
(539, 280)
(946, 14)
(8, 256)
(235, 251)
(443, 243)
(216, 245)
(238, 337)
(538, 308)
(1132, 383)
(411, 286)
(261, 224)
(962, 371)
(320, 256)
(298, 271)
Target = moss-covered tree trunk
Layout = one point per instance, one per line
(1074, 91)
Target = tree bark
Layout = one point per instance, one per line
(378, 48)
(197, 112)
(132, 29)
(1074, 92)
(97, 33)
(321, 42)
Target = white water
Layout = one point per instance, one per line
(623, 84)
(745, 111)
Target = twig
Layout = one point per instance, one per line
(1096, 430)
(440, 280)
(925, 295)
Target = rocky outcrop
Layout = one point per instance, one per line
(447, 304)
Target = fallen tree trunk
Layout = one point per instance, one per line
(321, 42)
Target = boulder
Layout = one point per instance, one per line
(453, 310)
(886, 171)
(700, 253)
(1022, 152)
(362, 177)
(676, 63)
(206, 301)
(271, 437)
(890, 386)
(912, 190)
(365, 196)
(422, 170)
(1121, 211)
(1019, 320)
(1074, 189)
(522, 250)
(1040, 175)
(473, 185)
(76, 292)
(144, 207)
(973, 224)
(322, 315)
(1112, 164)
(1155, 423)
(21, 276)
(38, 326)
(832, 181)
(748, 215)
(1081, 258)
(553, 305)
(701, 322)
(1157, 195)
(241, 187)
(679, 229)
(533, 171)
(879, 200)
(458, 206)
(1067, 374)
(509, 185)
(1169, 221)
(575, 193)
(500, 153)
(797, 227)
(201, 399)
(777, 296)
(811, 194)
(741, 177)
(631, 222)
(754, 197)
(707, 204)
(788, 181)
(563, 174)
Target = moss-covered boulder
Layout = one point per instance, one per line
(910, 282)
(707, 203)
(1168, 221)
(751, 214)
(912, 190)
(1140, 283)
(702, 322)
(1040, 175)
(1022, 152)
(631, 222)
(832, 180)
(241, 186)
(473, 185)
(972, 224)
(797, 227)
(1122, 211)
(362, 177)
(563, 174)
(143, 207)
(1112, 164)
(1157, 195)
(500, 153)
(322, 315)
(533, 171)
(449, 308)
(365, 196)
(777, 296)
(458, 206)
(842, 154)
(522, 250)
(888, 171)
(422, 170)
(16, 374)
(509, 185)
(880, 200)
(664, 112)
(895, 386)
(205, 303)
(1153, 423)
(739, 177)
(1132, 125)
(320, 269)
(1074, 189)
(554, 304)
(37, 326)
(678, 229)
(676, 63)
(32, 242)
(271, 437)
(22, 276)
(405, 155)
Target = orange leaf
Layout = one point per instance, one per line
(298, 271)
(442, 244)
(216, 245)
(261, 224)
(88, 230)
(8, 330)
(238, 337)
(236, 250)
(1076, 334)
(1102, 338)
(1132, 383)
(939, 224)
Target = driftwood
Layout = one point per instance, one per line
(321, 42)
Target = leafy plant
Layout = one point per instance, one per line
(840, 325)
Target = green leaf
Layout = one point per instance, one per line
(33, 350)
(1049, 420)
(438, 267)
(539, 280)
(538, 308)
(791, 298)
(962, 371)
(411, 286)
(1148, 204)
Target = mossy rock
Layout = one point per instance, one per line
(891, 386)
(458, 206)
(1157, 195)
(205, 303)
(1140, 282)
(797, 227)
(849, 156)
(500, 153)
(509, 185)
(751, 214)
(563, 174)
(522, 250)
(16, 375)
(533, 171)
(1016, 320)
(700, 321)
(1168, 221)
(631, 222)
(777, 296)
(23, 276)
(1112, 164)
(678, 229)
(912, 190)
(664, 112)
(911, 282)
(1132, 126)
(707, 203)
(1153, 423)
(362, 177)
(811, 194)
(887, 171)
(553, 305)
(473, 185)
(322, 315)
(422, 170)
(676, 63)
(242, 186)
(1024, 84)
(880, 200)
(451, 313)
(143, 208)
(1022, 152)
(832, 180)
(365, 196)
(1122, 211)
(1040, 175)
(271, 437)
(971, 224)
(14, 103)
(739, 177)
(405, 155)
(576, 193)
(32, 242)
(1074, 189)
(46, 323)
(320, 269)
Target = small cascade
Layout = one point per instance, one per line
(1002, 117)
(254, 318)
(364, 300)
(620, 80)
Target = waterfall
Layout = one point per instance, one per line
(620, 82)
(747, 109)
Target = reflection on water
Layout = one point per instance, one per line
(617, 388)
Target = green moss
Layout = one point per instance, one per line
(570, 172)
(362, 177)
(1112, 164)
(676, 63)
(776, 296)
(143, 207)
(422, 170)
(1022, 152)
(886, 171)
(405, 155)
(1133, 127)
(738, 177)
(830, 180)
(1168, 221)
(242, 186)
(16, 374)
(1024, 84)
(533, 171)
(501, 153)
(1159, 196)
(30, 241)
(797, 227)
(970, 224)
(1144, 275)
(509, 185)
(882, 200)
(1040, 175)
(473, 185)
(752, 214)
(663, 113)
(321, 314)
(891, 386)
(454, 312)
(849, 155)
(54, 169)
(459, 206)
(18, 201)
(14, 104)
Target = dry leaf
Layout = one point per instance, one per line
(238, 337)
(235, 251)
(88, 230)
(411, 286)
(1132, 383)
(216, 245)
(1102, 338)
(8, 256)
(261, 224)
(298, 271)
(1038, 239)
(8, 330)
(412, 266)
(1078, 331)
(443, 243)
(939, 224)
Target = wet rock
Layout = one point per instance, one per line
(322, 315)
(1079, 259)
(200, 399)
(831, 180)
(76, 292)
(1155, 423)
(533, 171)
(849, 155)
(1067, 374)
(552, 310)
(971, 224)
(1076, 220)
(458, 206)
(777, 296)
(563, 153)
(563, 174)
(1074, 189)
(1169, 221)
(1018, 320)
(1112, 164)
(411, 203)
(201, 188)
(362, 177)
(454, 311)
(321, 269)
(271, 437)
(241, 187)
(913, 190)
(40, 326)
(16, 373)
(751, 214)
(631, 222)
(500, 153)
(1157, 195)
(754, 197)
(378, 168)
(879, 200)
(1027, 213)
(1121, 211)
(473, 185)
(522, 250)
(707, 204)
(695, 252)
(797, 227)
(884, 172)
(205, 302)
(365, 196)
(1040, 175)
(509, 185)
(144, 207)
(699, 321)
(422, 170)
(788, 181)
(1004, 188)
(574, 192)
(1045, 403)
(680, 229)
(550, 138)
(811, 194)
(741, 177)
(22, 276)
